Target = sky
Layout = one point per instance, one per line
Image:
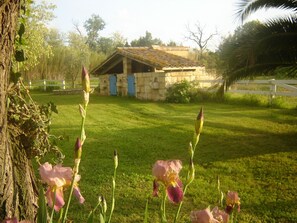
(164, 19)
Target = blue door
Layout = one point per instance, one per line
(113, 84)
(131, 85)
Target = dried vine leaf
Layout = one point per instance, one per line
(29, 123)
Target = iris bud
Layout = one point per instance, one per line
(115, 158)
(77, 149)
(85, 80)
(199, 122)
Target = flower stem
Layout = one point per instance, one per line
(113, 194)
(82, 127)
(146, 211)
(69, 198)
(195, 143)
(163, 208)
(76, 165)
(52, 214)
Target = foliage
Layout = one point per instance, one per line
(261, 48)
(32, 42)
(233, 46)
(247, 7)
(179, 92)
(146, 40)
(78, 53)
(118, 39)
(186, 92)
(29, 123)
(93, 26)
(108, 45)
(105, 45)
(69, 51)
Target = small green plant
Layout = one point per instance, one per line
(179, 92)
(52, 85)
(187, 92)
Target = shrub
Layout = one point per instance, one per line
(186, 92)
(179, 92)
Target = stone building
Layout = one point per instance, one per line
(146, 72)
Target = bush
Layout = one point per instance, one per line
(179, 92)
(186, 92)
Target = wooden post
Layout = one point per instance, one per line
(225, 89)
(272, 90)
(44, 85)
(63, 85)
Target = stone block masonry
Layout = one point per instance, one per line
(153, 85)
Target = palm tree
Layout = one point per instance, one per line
(247, 7)
(269, 46)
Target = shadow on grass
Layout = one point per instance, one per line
(281, 211)
(144, 132)
(242, 142)
(139, 148)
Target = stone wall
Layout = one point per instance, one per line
(153, 85)
(199, 74)
(122, 85)
(104, 84)
(150, 86)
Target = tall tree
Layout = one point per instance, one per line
(200, 37)
(93, 26)
(50, 66)
(105, 45)
(108, 44)
(78, 53)
(146, 40)
(33, 42)
(267, 47)
(118, 39)
(17, 194)
(233, 48)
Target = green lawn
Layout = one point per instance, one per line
(252, 149)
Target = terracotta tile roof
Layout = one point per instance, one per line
(155, 58)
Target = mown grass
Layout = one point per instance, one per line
(252, 149)
(261, 100)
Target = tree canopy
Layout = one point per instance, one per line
(261, 48)
(146, 40)
(33, 41)
(93, 26)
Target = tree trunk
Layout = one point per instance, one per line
(18, 197)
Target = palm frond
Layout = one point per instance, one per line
(247, 7)
(268, 47)
(264, 69)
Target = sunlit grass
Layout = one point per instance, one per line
(252, 149)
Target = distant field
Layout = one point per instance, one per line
(252, 149)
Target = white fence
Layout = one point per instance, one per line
(271, 87)
(60, 84)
